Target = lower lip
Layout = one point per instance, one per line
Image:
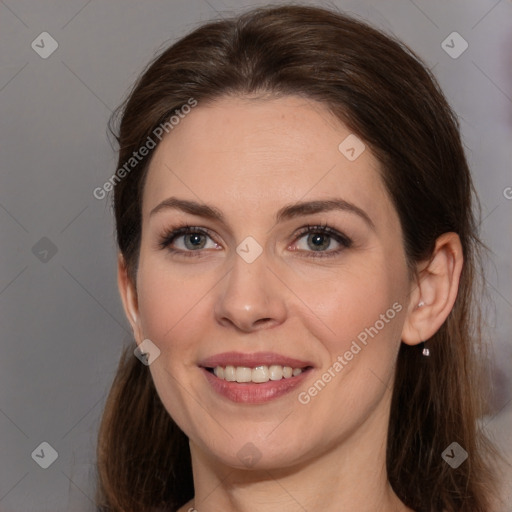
(252, 393)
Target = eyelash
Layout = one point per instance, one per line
(170, 236)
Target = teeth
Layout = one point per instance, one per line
(275, 372)
(229, 373)
(258, 374)
(287, 372)
(243, 374)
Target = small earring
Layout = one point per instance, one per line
(425, 351)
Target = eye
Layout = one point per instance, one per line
(187, 240)
(318, 241)
(320, 238)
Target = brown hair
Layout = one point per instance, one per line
(383, 92)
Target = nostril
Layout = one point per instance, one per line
(263, 321)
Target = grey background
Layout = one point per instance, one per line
(62, 326)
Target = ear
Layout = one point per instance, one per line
(436, 290)
(128, 294)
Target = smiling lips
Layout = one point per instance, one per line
(254, 378)
(257, 374)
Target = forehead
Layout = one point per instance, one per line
(255, 154)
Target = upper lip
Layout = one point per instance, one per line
(252, 360)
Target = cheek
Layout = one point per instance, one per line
(351, 303)
(170, 304)
(357, 320)
(172, 312)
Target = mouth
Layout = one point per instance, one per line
(257, 374)
(254, 378)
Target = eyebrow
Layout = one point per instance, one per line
(286, 213)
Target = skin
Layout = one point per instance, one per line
(249, 157)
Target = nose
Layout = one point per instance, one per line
(252, 297)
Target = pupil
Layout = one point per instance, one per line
(319, 241)
(194, 241)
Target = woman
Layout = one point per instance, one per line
(297, 257)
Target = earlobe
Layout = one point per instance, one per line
(128, 294)
(436, 290)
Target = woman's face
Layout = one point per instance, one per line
(252, 291)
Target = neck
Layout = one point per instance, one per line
(351, 475)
